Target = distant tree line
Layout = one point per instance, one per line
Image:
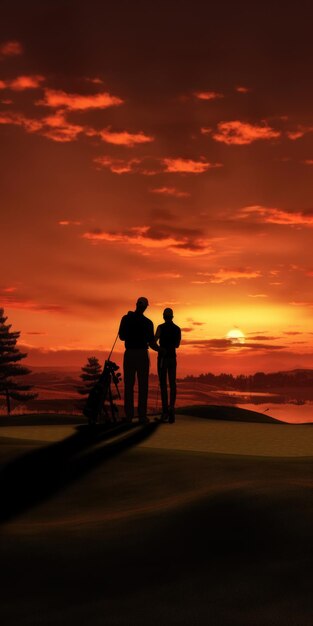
(259, 380)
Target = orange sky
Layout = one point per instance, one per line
(159, 150)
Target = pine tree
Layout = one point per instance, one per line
(10, 356)
(90, 375)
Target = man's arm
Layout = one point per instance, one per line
(178, 337)
(151, 339)
(152, 342)
(158, 333)
(122, 329)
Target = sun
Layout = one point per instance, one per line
(235, 336)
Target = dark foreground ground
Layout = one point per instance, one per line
(106, 531)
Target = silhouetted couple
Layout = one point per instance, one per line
(138, 333)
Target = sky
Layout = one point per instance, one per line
(158, 149)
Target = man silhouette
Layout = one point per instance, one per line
(169, 337)
(137, 332)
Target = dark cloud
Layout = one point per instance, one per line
(263, 337)
(32, 305)
(226, 344)
(177, 239)
(170, 191)
(11, 48)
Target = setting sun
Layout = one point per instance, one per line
(235, 335)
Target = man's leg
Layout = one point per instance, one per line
(172, 383)
(129, 382)
(143, 366)
(162, 372)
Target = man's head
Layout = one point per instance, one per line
(168, 314)
(142, 304)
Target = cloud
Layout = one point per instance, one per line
(208, 95)
(225, 345)
(263, 346)
(230, 275)
(219, 344)
(182, 241)
(308, 162)
(78, 102)
(278, 216)
(188, 166)
(13, 302)
(149, 167)
(242, 89)
(118, 166)
(302, 303)
(62, 135)
(18, 119)
(95, 81)
(11, 49)
(258, 295)
(167, 303)
(299, 132)
(21, 83)
(68, 223)
(295, 134)
(123, 138)
(263, 338)
(157, 275)
(205, 130)
(242, 133)
(55, 126)
(58, 128)
(170, 191)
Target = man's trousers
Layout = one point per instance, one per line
(167, 370)
(136, 363)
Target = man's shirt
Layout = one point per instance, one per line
(169, 335)
(136, 330)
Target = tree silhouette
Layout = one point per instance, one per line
(90, 375)
(10, 356)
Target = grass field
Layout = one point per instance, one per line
(207, 521)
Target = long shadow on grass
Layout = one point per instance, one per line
(38, 475)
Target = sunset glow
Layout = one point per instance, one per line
(179, 170)
(235, 335)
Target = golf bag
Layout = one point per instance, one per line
(99, 404)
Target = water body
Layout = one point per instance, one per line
(290, 412)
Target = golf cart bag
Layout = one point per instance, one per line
(99, 404)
